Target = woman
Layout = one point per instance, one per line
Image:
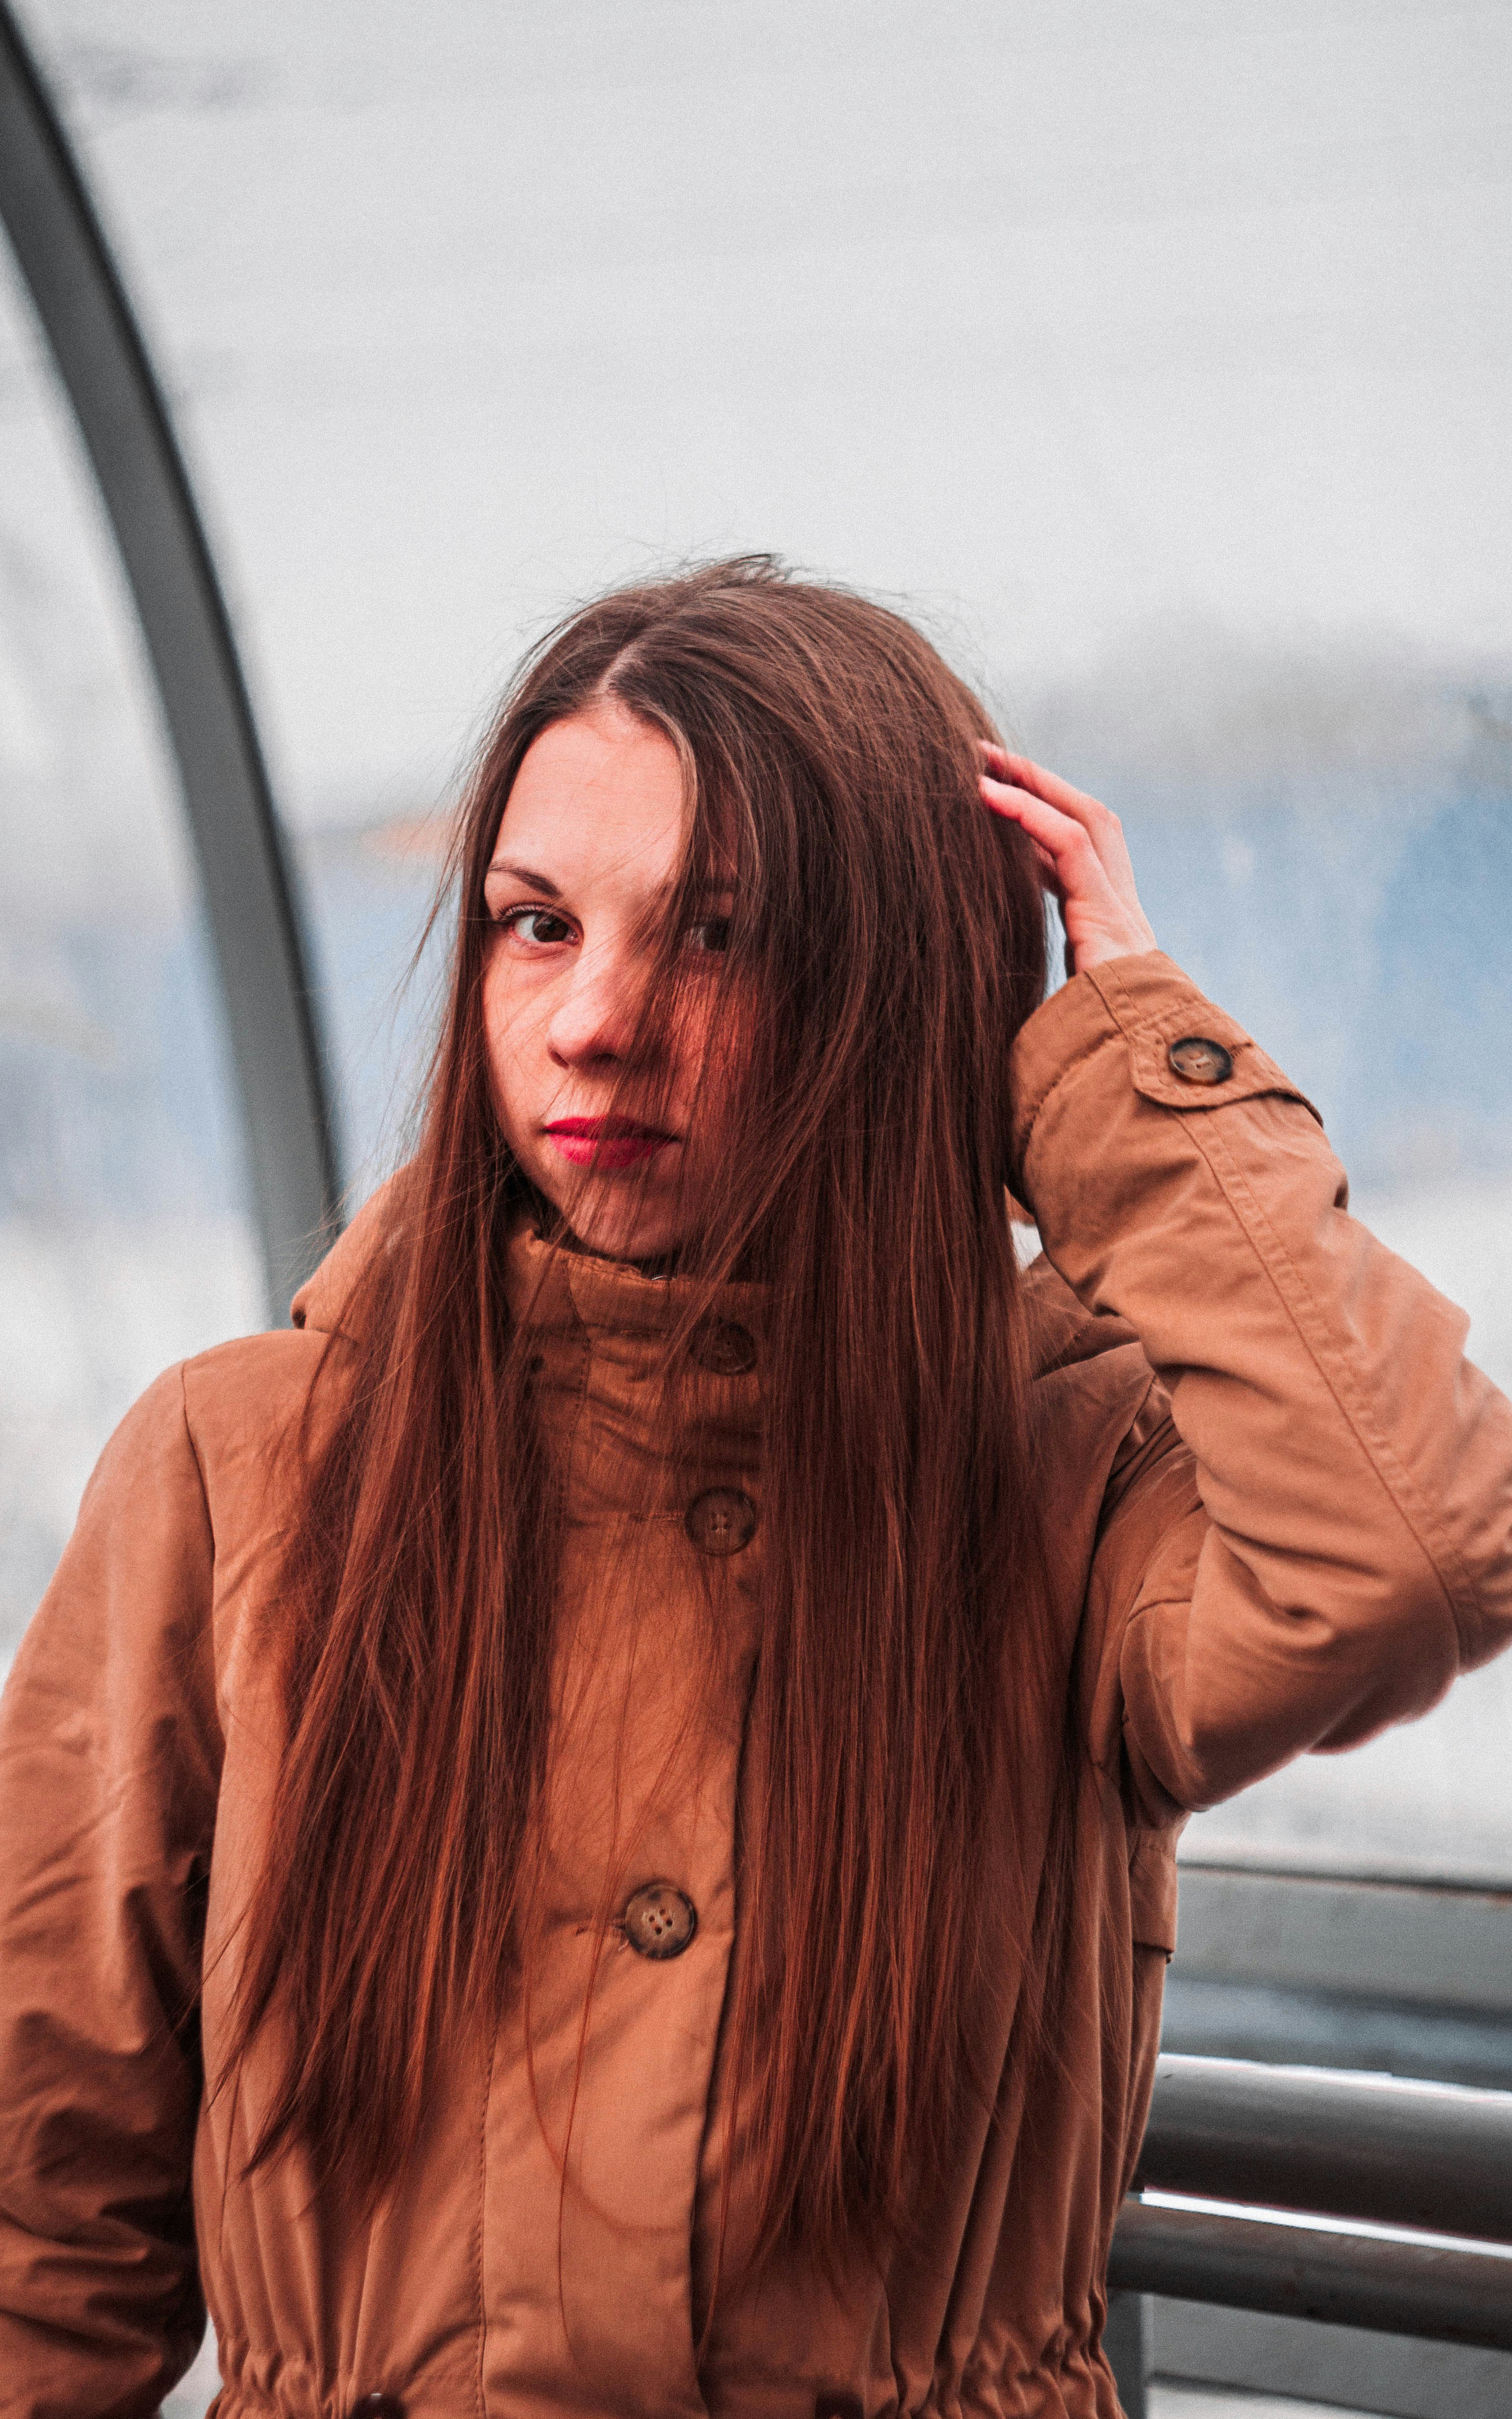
(591, 1828)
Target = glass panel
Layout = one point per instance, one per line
(125, 1241)
(1151, 357)
(369, 887)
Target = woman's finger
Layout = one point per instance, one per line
(1058, 836)
(1083, 861)
(1064, 857)
(1100, 825)
(1024, 774)
(1099, 822)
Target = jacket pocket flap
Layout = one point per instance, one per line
(1152, 1889)
(1225, 1066)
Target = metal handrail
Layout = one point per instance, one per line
(1360, 2150)
(1354, 2280)
(1434, 2156)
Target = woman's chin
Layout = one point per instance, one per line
(623, 1229)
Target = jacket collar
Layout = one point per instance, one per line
(546, 1283)
(319, 1305)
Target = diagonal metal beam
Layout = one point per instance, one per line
(248, 885)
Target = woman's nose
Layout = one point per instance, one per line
(598, 1015)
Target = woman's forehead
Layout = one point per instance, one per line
(597, 798)
(605, 797)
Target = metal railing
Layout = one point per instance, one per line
(1436, 2157)
(1359, 2199)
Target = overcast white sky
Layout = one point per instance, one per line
(1066, 322)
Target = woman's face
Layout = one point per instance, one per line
(600, 1114)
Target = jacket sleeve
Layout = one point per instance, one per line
(109, 1757)
(1347, 1546)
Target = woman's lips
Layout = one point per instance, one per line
(605, 1144)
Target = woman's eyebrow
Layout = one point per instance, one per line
(532, 881)
(523, 873)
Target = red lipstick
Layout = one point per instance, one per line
(606, 1144)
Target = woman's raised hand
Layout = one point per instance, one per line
(1083, 863)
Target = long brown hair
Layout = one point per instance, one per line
(892, 936)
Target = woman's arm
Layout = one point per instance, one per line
(109, 1756)
(1353, 1551)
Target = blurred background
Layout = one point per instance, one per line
(1154, 357)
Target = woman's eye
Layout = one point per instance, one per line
(538, 924)
(712, 933)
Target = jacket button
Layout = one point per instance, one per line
(1200, 1062)
(839, 2406)
(378, 2406)
(720, 1520)
(722, 1346)
(659, 1919)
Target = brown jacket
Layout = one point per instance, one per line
(1280, 1518)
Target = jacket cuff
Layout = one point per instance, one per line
(1146, 1007)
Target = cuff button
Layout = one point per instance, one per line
(1198, 1061)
